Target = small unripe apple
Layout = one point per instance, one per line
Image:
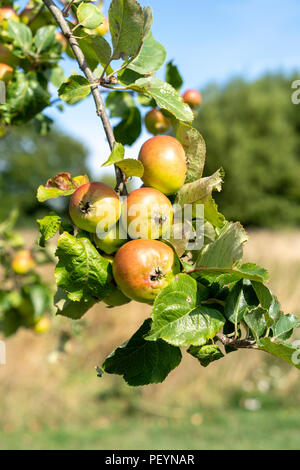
(116, 299)
(95, 206)
(7, 13)
(42, 325)
(6, 72)
(163, 158)
(148, 214)
(112, 240)
(142, 268)
(156, 122)
(23, 262)
(193, 98)
(103, 28)
(60, 38)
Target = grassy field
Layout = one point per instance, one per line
(249, 400)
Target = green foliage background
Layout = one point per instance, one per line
(252, 130)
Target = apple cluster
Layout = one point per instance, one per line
(129, 230)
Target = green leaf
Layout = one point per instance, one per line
(255, 319)
(151, 57)
(61, 185)
(116, 155)
(143, 362)
(100, 47)
(75, 89)
(25, 98)
(225, 276)
(20, 34)
(131, 167)
(89, 15)
(180, 319)
(173, 76)
(44, 38)
(285, 351)
(81, 270)
(212, 215)
(127, 27)
(199, 190)
(129, 129)
(226, 250)
(236, 304)
(165, 96)
(56, 75)
(263, 293)
(284, 326)
(49, 226)
(195, 150)
(206, 354)
(42, 124)
(70, 309)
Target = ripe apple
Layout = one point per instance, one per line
(42, 325)
(95, 207)
(164, 162)
(193, 98)
(60, 38)
(7, 13)
(156, 122)
(22, 262)
(6, 72)
(142, 268)
(116, 299)
(147, 214)
(112, 240)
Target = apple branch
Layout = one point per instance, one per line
(83, 65)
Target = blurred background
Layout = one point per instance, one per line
(243, 57)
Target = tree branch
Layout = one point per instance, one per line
(100, 108)
(236, 343)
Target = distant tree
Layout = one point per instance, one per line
(27, 159)
(253, 131)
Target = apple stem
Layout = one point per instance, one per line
(83, 65)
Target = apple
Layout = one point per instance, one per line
(60, 38)
(147, 214)
(6, 72)
(112, 240)
(6, 55)
(95, 207)
(193, 98)
(163, 158)
(142, 268)
(103, 28)
(22, 262)
(7, 13)
(42, 325)
(35, 21)
(116, 299)
(156, 122)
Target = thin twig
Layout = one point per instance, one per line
(100, 108)
(237, 343)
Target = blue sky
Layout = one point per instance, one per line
(209, 41)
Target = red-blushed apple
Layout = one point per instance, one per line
(156, 122)
(142, 268)
(6, 72)
(7, 13)
(111, 241)
(60, 38)
(116, 299)
(164, 161)
(193, 98)
(22, 262)
(147, 213)
(95, 207)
